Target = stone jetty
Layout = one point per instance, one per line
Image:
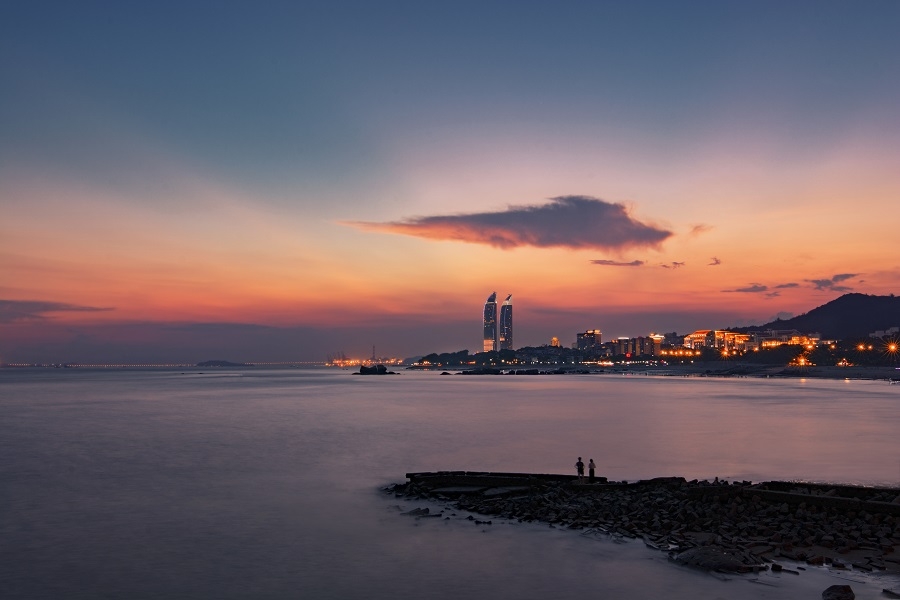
(726, 526)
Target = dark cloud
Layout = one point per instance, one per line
(566, 222)
(753, 288)
(773, 294)
(831, 284)
(615, 263)
(24, 310)
(714, 262)
(673, 265)
(782, 286)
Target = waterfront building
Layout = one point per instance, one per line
(490, 323)
(773, 338)
(698, 339)
(505, 337)
(730, 341)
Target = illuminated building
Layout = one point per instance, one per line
(645, 346)
(717, 338)
(505, 338)
(698, 339)
(733, 341)
(590, 339)
(490, 323)
(786, 337)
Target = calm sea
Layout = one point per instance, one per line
(255, 483)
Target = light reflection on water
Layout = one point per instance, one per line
(249, 483)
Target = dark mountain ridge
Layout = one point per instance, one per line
(850, 316)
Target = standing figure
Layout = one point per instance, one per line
(591, 467)
(579, 467)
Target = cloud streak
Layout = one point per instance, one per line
(832, 283)
(753, 288)
(616, 263)
(565, 222)
(12, 311)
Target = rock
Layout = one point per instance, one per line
(839, 592)
(417, 512)
(712, 558)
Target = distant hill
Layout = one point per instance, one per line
(850, 316)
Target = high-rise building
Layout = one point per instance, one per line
(505, 340)
(490, 323)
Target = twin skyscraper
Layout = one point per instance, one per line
(498, 335)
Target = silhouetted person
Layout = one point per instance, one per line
(579, 468)
(591, 467)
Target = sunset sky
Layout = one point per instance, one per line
(276, 181)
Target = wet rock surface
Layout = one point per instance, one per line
(731, 527)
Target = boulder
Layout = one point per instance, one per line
(839, 592)
(711, 558)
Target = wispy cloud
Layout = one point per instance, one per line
(753, 288)
(831, 284)
(673, 265)
(565, 221)
(616, 263)
(699, 229)
(25, 310)
(714, 261)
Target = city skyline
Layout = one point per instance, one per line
(213, 180)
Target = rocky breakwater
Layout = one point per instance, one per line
(732, 527)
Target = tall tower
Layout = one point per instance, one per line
(505, 339)
(490, 323)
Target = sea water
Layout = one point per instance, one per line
(251, 483)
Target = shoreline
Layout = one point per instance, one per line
(737, 527)
(701, 369)
(743, 369)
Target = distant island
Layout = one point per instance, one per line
(221, 363)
